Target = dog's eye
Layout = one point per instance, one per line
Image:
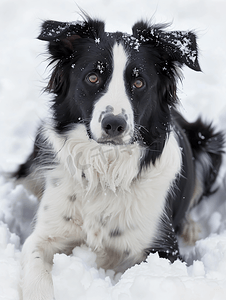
(93, 78)
(138, 83)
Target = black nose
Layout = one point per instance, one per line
(114, 125)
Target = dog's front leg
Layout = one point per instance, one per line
(37, 257)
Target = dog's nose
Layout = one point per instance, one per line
(114, 125)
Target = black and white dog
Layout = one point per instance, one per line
(117, 167)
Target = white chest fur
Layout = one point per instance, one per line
(95, 196)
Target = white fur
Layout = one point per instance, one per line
(115, 96)
(94, 190)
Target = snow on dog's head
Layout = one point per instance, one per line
(121, 87)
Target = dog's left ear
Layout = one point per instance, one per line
(62, 36)
(54, 30)
(178, 46)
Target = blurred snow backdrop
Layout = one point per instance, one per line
(23, 75)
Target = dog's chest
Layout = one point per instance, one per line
(123, 221)
(115, 217)
(120, 222)
(105, 218)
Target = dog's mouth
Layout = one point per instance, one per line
(121, 140)
(109, 141)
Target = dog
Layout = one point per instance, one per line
(116, 166)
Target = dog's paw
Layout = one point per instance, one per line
(38, 288)
(191, 231)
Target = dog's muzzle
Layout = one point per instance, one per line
(114, 129)
(114, 126)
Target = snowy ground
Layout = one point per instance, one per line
(22, 76)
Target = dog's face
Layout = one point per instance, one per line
(120, 86)
(102, 94)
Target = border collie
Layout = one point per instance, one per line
(116, 166)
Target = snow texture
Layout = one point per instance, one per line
(22, 104)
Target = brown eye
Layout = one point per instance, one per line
(93, 78)
(138, 83)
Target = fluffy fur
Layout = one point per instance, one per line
(117, 167)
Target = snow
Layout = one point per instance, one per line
(22, 104)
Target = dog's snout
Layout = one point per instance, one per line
(114, 125)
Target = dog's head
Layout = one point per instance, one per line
(120, 86)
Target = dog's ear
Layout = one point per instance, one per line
(181, 46)
(62, 35)
(178, 46)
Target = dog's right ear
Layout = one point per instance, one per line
(62, 36)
